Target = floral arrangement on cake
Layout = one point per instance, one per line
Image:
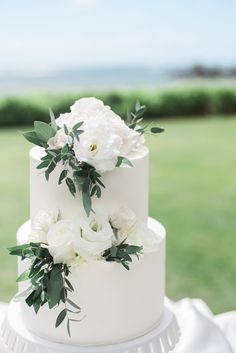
(86, 142)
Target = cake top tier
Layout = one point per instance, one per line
(89, 141)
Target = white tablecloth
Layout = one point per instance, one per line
(202, 332)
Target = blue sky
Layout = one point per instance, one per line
(40, 36)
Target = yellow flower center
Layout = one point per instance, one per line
(93, 147)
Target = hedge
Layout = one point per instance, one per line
(23, 110)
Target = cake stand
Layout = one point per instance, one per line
(17, 339)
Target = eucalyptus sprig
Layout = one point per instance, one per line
(49, 283)
(135, 118)
(122, 253)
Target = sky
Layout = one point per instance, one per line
(40, 36)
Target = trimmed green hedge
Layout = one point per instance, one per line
(23, 110)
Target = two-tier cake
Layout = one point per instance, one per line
(92, 267)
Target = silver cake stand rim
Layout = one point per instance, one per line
(17, 339)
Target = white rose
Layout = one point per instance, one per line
(99, 146)
(145, 237)
(59, 140)
(41, 224)
(94, 235)
(124, 220)
(60, 242)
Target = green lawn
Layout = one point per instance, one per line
(192, 192)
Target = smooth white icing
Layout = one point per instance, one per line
(124, 186)
(118, 304)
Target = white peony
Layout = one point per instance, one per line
(125, 221)
(40, 226)
(60, 242)
(93, 235)
(59, 140)
(145, 237)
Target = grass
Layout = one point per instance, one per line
(192, 192)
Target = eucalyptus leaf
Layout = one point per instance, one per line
(86, 201)
(24, 276)
(137, 105)
(156, 130)
(61, 317)
(53, 120)
(32, 137)
(73, 304)
(43, 130)
(62, 176)
(123, 160)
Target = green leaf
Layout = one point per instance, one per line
(44, 164)
(53, 120)
(68, 328)
(77, 126)
(66, 129)
(55, 285)
(32, 137)
(129, 117)
(157, 130)
(23, 294)
(132, 126)
(98, 180)
(77, 133)
(65, 149)
(86, 201)
(140, 112)
(137, 105)
(133, 249)
(24, 276)
(123, 160)
(50, 169)
(69, 285)
(96, 190)
(61, 317)
(71, 186)
(73, 304)
(62, 176)
(19, 249)
(126, 266)
(43, 130)
(124, 256)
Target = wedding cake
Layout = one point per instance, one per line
(91, 263)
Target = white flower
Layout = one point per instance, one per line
(105, 135)
(60, 242)
(145, 237)
(63, 119)
(98, 146)
(93, 235)
(41, 225)
(125, 221)
(59, 140)
(87, 105)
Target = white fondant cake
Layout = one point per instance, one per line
(116, 304)
(124, 186)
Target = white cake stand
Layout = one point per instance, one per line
(17, 339)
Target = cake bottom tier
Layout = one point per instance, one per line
(117, 305)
